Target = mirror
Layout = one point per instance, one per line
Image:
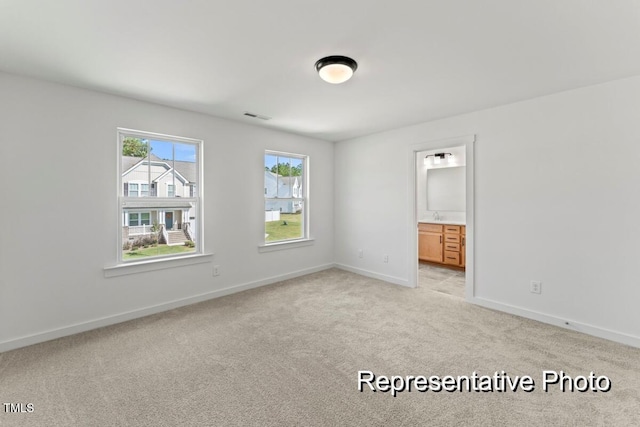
(446, 189)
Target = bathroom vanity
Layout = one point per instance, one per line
(442, 243)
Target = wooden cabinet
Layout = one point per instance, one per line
(442, 243)
(430, 242)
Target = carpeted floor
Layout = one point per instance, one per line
(288, 354)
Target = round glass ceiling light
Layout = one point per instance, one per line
(336, 69)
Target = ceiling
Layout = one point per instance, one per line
(417, 60)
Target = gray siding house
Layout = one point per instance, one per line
(151, 181)
(281, 187)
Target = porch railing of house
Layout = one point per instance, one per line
(163, 236)
(186, 228)
(139, 230)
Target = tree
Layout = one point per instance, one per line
(134, 147)
(285, 169)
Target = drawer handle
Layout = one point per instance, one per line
(440, 239)
(450, 257)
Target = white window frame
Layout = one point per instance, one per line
(139, 213)
(122, 133)
(138, 185)
(305, 199)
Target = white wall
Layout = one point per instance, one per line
(556, 190)
(58, 234)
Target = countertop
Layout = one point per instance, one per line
(442, 221)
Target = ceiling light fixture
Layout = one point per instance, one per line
(438, 157)
(336, 69)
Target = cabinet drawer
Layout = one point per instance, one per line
(454, 247)
(453, 229)
(452, 258)
(452, 238)
(435, 228)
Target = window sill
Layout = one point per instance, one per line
(156, 264)
(270, 247)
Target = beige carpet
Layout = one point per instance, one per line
(288, 354)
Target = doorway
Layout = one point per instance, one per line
(168, 220)
(442, 216)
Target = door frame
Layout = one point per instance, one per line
(468, 141)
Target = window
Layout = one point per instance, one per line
(136, 189)
(285, 197)
(139, 218)
(153, 224)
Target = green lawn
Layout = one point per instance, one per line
(276, 230)
(155, 251)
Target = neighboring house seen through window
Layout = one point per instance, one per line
(160, 206)
(139, 218)
(285, 197)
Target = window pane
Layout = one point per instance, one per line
(186, 169)
(144, 190)
(270, 162)
(133, 219)
(284, 220)
(161, 151)
(134, 164)
(133, 190)
(296, 172)
(161, 168)
(185, 152)
(270, 176)
(144, 219)
(284, 177)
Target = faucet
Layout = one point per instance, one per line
(436, 216)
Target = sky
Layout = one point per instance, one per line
(183, 152)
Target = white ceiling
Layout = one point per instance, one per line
(418, 60)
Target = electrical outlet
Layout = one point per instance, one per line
(386, 258)
(536, 287)
(216, 270)
(360, 253)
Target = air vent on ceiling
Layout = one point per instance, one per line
(256, 116)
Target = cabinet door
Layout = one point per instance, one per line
(430, 246)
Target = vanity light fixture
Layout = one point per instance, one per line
(438, 157)
(336, 69)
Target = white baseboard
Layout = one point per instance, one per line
(374, 275)
(618, 337)
(135, 314)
